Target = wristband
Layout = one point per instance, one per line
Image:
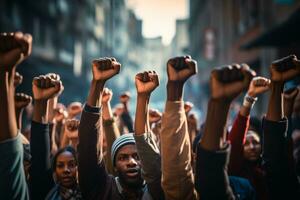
(249, 101)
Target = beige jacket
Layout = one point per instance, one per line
(177, 174)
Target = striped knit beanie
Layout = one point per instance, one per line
(123, 140)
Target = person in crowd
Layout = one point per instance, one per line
(281, 177)
(246, 147)
(94, 181)
(14, 48)
(177, 173)
(146, 145)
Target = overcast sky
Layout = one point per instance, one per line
(159, 16)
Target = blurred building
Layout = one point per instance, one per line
(218, 31)
(68, 34)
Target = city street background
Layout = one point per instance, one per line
(143, 34)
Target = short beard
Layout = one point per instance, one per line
(131, 183)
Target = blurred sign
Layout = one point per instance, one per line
(209, 44)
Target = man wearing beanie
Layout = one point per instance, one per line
(95, 183)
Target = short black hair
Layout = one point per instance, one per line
(60, 151)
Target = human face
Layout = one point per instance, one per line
(252, 146)
(66, 169)
(128, 166)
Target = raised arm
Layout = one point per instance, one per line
(109, 127)
(147, 149)
(125, 116)
(281, 179)
(14, 48)
(43, 88)
(240, 126)
(92, 173)
(213, 152)
(177, 175)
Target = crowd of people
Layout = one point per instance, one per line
(91, 151)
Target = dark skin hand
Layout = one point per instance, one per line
(226, 83)
(145, 83)
(281, 71)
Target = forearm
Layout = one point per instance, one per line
(174, 91)
(95, 93)
(275, 107)
(40, 111)
(141, 123)
(106, 111)
(8, 125)
(214, 132)
(19, 114)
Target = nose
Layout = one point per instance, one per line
(132, 162)
(252, 146)
(66, 169)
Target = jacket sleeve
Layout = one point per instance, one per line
(111, 133)
(282, 181)
(177, 174)
(212, 181)
(91, 170)
(236, 138)
(151, 163)
(41, 180)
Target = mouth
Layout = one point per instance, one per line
(132, 173)
(67, 179)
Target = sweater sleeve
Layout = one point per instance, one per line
(236, 138)
(12, 182)
(212, 181)
(177, 175)
(41, 180)
(151, 163)
(282, 181)
(91, 170)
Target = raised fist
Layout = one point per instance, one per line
(105, 68)
(124, 98)
(146, 82)
(71, 128)
(258, 85)
(181, 68)
(285, 69)
(188, 106)
(74, 109)
(229, 81)
(22, 100)
(14, 48)
(60, 113)
(154, 115)
(18, 79)
(106, 95)
(44, 88)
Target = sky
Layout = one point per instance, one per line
(159, 16)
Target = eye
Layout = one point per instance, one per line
(136, 156)
(59, 165)
(72, 165)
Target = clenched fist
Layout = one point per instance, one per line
(105, 68)
(154, 115)
(18, 79)
(146, 82)
(181, 68)
(45, 88)
(258, 85)
(285, 69)
(74, 109)
(106, 95)
(22, 100)
(71, 128)
(14, 48)
(229, 81)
